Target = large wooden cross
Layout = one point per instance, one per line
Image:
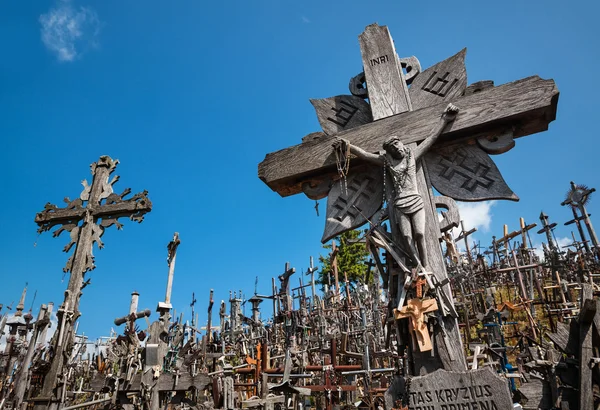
(85, 218)
(458, 164)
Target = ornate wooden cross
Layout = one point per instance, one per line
(457, 165)
(85, 218)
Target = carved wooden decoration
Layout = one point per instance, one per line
(443, 82)
(96, 208)
(525, 107)
(530, 103)
(415, 310)
(341, 113)
(466, 173)
(380, 61)
(350, 204)
(450, 217)
(497, 143)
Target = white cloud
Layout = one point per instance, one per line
(475, 215)
(52, 327)
(305, 20)
(68, 31)
(561, 242)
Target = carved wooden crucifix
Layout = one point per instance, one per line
(85, 218)
(415, 310)
(457, 165)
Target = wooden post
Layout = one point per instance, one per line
(464, 235)
(334, 269)
(586, 319)
(165, 307)
(22, 381)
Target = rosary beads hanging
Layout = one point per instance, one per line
(342, 158)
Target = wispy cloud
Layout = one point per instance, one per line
(475, 215)
(68, 31)
(305, 20)
(561, 242)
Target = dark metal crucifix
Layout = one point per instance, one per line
(85, 218)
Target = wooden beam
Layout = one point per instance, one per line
(528, 104)
(586, 318)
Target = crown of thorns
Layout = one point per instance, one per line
(390, 141)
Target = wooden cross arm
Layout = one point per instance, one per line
(132, 209)
(465, 234)
(528, 105)
(508, 237)
(56, 216)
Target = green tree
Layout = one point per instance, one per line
(352, 258)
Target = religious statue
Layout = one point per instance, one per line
(399, 164)
(451, 251)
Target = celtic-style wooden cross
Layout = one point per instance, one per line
(407, 105)
(85, 218)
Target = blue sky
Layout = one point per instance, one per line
(191, 95)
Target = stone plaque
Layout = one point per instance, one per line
(480, 389)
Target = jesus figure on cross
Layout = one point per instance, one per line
(400, 178)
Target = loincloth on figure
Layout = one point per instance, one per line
(409, 204)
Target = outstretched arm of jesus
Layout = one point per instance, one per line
(359, 152)
(447, 117)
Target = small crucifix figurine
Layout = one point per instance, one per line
(399, 163)
(415, 310)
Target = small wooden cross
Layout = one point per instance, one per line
(414, 310)
(419, 286)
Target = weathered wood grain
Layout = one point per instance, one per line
(560, 338)
(343, 112)
(349, 205)
(586, 318)
(529, 104)
(442, 82)
(537, 393)
(466, 173)
(387, 89)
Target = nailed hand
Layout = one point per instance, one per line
(450, 112)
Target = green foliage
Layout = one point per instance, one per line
(352, 258)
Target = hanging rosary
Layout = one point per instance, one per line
(342, 159)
